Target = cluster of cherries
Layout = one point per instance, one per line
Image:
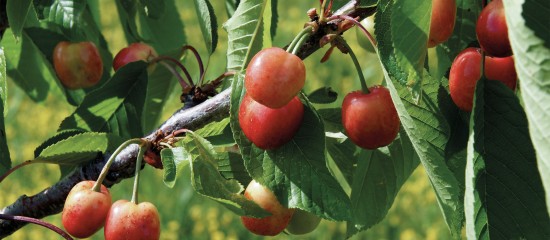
(492, 35)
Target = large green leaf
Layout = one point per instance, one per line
(5, 160)
(116, 107)
(153, 8)
(504, 192)
(208, 181)
(244, 33)
(17, 11)
(464, 33)
(59, 136)
(62, 12)
(526, 25)
(377, 180)
(79, 149)
(296, 172)
(424, 122)
(173, 162)
(208, 23)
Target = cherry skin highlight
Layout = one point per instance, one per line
(466, 71)
(129, 221)
(442, 22)
(270, 225)
(78, 65)
(492, 30)
(370, 119)
(273, 77)
(132, 53)
(85, 210)
(270, 128)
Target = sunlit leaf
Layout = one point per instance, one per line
(5, 160)
(208, 23)
(17, 11)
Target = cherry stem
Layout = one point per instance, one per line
(198, 57)
(180, 66)
(300, 43)
(323, 3)
(305, 32)
(25, 163)
(218, 80)
(142, 148)
(358, 24)
(364, 86)
(105, 170)
(37, 222)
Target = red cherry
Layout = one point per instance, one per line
(78, 65)
(492, 31)
(126, 220)
(442, 22)
(270, 128)
(85, 210)
(466, 71)
(271, 225)
(132, 53)
(370, 119)
(273, 77)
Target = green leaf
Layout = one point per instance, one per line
(231, 166)
(28, 68)
(79, 149)
(208, 181)
(504, 192)
(17, 11)
(274, 18)
(153, 8)
(429, 133)
(244, 33)
(377, 180)
(296, 172)
(5, 160)
(532, 57)
(59, 136)
(231, 6)
(208, 23)
(464, 33)
(218, 133)
(116, 107)
(323, 95)
(332, 117)
(173, 162)
(62, 12)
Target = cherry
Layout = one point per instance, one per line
(85, 210)
(270, 225)
(78, 65)
(274, 76)
(127, 220)
(492, 31)
(442, 22)
(302, 222)
(466, 71)
(132, 53)
(270, 128)
(370, 119)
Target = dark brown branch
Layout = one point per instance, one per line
(51, 200)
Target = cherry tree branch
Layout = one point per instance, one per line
(50, 201)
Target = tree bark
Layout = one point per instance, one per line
(51, 200)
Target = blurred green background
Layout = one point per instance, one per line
(184, 214)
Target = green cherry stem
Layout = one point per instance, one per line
(305, 31)
(142, 148)
(25, 163)
(37, 222)
(364, 86)
(299, 43)
(105, 170)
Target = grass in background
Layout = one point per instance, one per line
(184, 214)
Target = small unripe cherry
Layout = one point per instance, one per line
(78, 65)
(132, 53)
(270, 225)
(492, 30)
(274, 76)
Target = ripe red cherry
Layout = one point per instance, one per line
(442, 22)
(132, 53)
(85, 210)
(270, 225)
(302, 222)
(273, 77)
(466, 71)
(127, 220)
(492, 31)
(78, 65)
(270, 128)
(370, 119)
